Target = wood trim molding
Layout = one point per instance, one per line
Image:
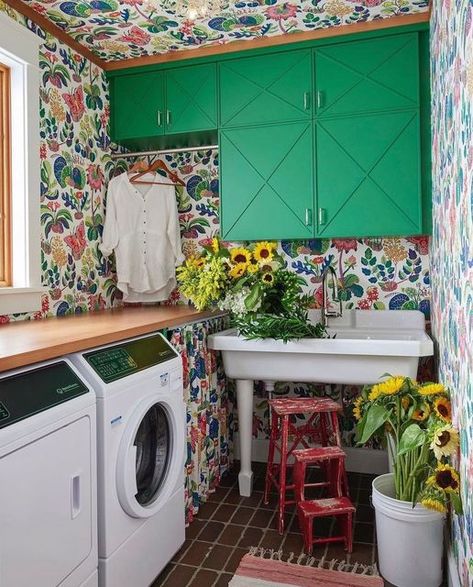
(5, 175)
(259, 43)
(56, 31)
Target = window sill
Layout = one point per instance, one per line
(16, 300)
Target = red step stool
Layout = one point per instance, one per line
(323, 415)
(336, 505)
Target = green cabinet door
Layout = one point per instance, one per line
(191, 99)
(371, 75)
(272, 88)
(137, 103)
(368, 175)
(266, 182)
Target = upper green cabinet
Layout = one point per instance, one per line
(371, 75)
(191, 99)
(152, 104)
(138, 108)
(266, 191)
(272, 88)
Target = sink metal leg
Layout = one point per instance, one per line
(244, 389)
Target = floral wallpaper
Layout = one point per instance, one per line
(120, 29)
(452, 242)
(75, 166)
(209, 411)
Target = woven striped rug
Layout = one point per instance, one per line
(264, 568)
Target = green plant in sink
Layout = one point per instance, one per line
(265, 300)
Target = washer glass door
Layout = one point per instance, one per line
(153, 449)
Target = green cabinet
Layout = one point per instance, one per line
(368, 138)
(138, 106)
(272, 88)
(368, 175)
(367, 76)
(266, 189)
(191, 99)
(153, 104)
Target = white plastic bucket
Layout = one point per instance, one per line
(410, 540)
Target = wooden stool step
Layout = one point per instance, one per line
(340, 507)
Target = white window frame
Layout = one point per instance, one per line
(19, 50)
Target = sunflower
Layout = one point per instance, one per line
(431, 389)
(445, 478)
(445, 442)
(240, 255)
(421, 413)
(389, 387)
(443, 409)
(264, 251)
(357, 406)
(252, 267)
(434, 503)
(268, 278)
(238, 270)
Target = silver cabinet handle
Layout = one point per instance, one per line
(159, 118)
(306, 100)
(308, 216)
(320, 99)
(322, 218)
(168, 117)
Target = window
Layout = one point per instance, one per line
(5, 194)
(20, 229)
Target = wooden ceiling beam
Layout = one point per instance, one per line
(56, 31)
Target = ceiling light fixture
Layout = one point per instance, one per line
(195, 9)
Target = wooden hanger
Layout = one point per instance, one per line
(158, 164)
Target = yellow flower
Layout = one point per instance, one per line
(264, 251)
(432, 503)
(357, 405)
(445, 441)
(252, 268)
(431, 389)
(215, 245)
(443, 409)
(238, 270)
(422, 412)
(389, 387)
(445, 478)
(240, 255)
(268, 278)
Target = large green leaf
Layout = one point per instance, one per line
(376, 416)
(412, 437)
(252, 298)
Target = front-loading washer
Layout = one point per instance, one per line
(141, 433)
(48, 485)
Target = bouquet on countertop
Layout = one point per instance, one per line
(265, 300)
(416, 422)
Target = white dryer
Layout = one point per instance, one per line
(141, 433)
(48, 485)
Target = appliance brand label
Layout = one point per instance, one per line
(67, 388)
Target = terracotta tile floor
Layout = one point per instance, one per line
(227, 525)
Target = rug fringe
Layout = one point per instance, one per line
(310, 561)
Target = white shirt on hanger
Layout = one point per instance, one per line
(142, 227)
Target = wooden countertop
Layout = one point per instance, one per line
(24, 343)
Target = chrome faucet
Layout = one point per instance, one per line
(326, 312)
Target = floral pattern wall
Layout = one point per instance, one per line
(452, 242)
(121, 29)
(75, 166)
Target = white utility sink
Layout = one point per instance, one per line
(368, 343)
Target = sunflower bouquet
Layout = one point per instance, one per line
(416, 421)
(265, 300)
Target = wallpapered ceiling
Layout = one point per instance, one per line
(119, 29)
(452, 243)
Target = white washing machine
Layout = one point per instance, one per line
(141, 433)
(48, 510)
